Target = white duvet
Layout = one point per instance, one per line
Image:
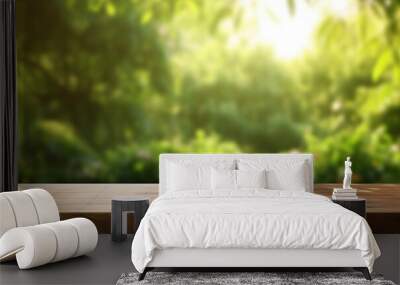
(250, 219)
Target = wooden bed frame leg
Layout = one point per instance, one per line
(364, 271)
(143, 274)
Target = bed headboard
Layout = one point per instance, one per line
(175, 156)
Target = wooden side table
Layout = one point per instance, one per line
(357, 206)
(120, 208)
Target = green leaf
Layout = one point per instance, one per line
(110, 9)
(146, 17)
(382, 64)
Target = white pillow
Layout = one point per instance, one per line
(193, 174)
(292, 179)
(251, 178)
(226, 179)
(188, 177)
(282, 174)
(223, 179)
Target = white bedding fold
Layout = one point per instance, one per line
(250, 219)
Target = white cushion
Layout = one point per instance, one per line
(282, 174)
(226, 179)
(7, 218)
(193, 175)
(251, 178)
(33, 246)
(223, 179)
(26, 208)
(183, 178)
(87, 234)
(46, 207)
(23, 208)
(67, 240)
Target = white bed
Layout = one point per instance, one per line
(249, 227)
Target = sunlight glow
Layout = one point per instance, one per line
(289, 34)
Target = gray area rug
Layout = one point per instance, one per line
(228, 278)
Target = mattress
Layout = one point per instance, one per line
(250, 219)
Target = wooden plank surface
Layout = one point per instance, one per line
(92, 198)
(381, 198)
(94, 201)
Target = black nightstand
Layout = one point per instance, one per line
(357, 206)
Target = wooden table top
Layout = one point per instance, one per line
(381, 198)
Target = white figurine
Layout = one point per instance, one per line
(347, 174)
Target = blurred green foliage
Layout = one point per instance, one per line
(105, 86)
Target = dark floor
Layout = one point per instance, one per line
(110, 259)
(103, 266)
